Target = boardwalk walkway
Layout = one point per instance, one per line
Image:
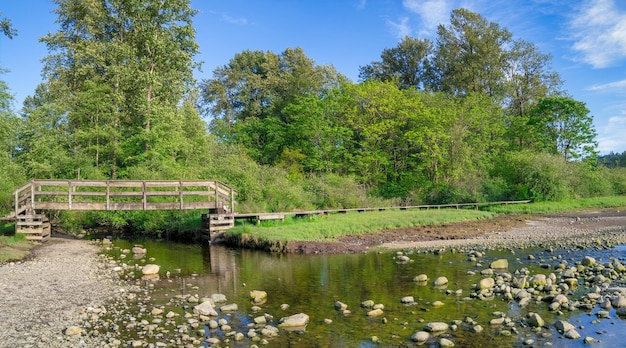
(37, 196)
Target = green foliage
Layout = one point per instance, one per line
(564, 126)
(535, 176)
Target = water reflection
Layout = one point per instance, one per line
(312, 284)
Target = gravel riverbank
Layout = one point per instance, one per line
(52, 291)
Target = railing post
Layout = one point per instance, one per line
(217, 191)
(144, 198)
(69, 195)
(108, 197)
(32, 196)
(17, 203)
(180, 193)
(232, 201)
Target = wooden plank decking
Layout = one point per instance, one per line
(38, 196)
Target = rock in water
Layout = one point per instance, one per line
(440, 281)
(296, 320)
(535, 320)
(150, 269)
(436, 327)
(258, 296)
(138, 250)
(205, 308)
(420, 336)
(486, 283)
(499, 264)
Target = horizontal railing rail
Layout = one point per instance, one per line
(124, 195)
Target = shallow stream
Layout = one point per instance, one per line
(312, 284)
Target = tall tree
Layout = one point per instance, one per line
(563, 126)
(120, 69)
(470, 55)
(405, 64)
(246, 98)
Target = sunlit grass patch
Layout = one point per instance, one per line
(561, 206)
(330, 227)
(14, 247)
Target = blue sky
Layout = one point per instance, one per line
(586, 38)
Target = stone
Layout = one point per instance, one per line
(444, 342)
(138, 250)
(375, 312)
(440, 281)
(340, 306)
(538, 280)
(621, 311)
(563, 326)
(436, 326)
(486, 283)
(367, 304)
(499, 264)
(421, 278)
(218, 298)
(150, 269)
(205, 308)
(572, 334)
(588, 261)
(258, 296)
(260, 320)
(420, 336)
(229, 308)
(618, 302)
(403, 259)
(73, 330)
(407, 300)
(296, 320)
(535, 320)
(589, 340)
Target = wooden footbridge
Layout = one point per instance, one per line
(38, 196)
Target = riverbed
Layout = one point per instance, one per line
(68, 296)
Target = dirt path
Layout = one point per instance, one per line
(46, 294)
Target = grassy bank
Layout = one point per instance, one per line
(559, 207)
(14, 247)
(330, 227)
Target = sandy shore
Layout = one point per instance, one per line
(48, 293)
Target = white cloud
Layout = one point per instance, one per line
(234, 20)
(611, 86)
(401, 29)
(431, 12)
(599, 32)
(612, 137)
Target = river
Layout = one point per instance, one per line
(312, 284)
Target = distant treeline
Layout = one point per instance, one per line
(613, 160)
(476, 115)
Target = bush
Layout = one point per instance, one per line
(536, 176)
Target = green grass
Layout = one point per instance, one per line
(330, 227)
(559, 207)
(14, 247)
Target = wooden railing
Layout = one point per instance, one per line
(123, 195)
